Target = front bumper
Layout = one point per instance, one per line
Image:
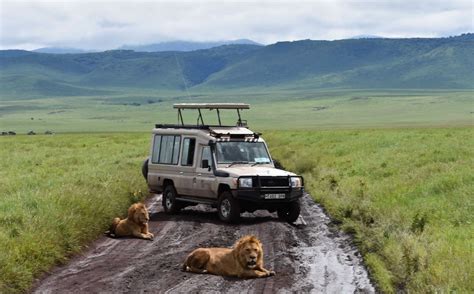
(260, 195)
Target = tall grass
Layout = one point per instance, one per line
(59, 192)
(405, 194)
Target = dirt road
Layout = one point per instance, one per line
(307, 257)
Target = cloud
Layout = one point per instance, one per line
(110, 24)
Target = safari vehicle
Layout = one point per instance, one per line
(227, 167)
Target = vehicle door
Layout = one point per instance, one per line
(187, 172)
(204, 182)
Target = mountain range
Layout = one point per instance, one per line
(418, 63)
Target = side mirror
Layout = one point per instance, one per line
(205, 164)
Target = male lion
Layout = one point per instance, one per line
(136, 223)
(244, 260)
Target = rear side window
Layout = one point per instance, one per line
(166, 149)
(189, 146)
(156, 149)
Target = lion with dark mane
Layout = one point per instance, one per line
(244, 260)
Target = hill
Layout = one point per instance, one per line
(443, 63)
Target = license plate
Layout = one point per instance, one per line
(275, 196)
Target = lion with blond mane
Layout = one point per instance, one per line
(136, 223)
(244, 260)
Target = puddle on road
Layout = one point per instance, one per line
(327, 259)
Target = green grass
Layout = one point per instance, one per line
(60, 192)
(288, 108)
(405, 194)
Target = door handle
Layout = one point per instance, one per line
(181, 173)
(199, 174)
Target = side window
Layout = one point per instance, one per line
(166, 149)
(189, 145)
(206, 154)
(156, 149)
(166, 152)
(175, 157)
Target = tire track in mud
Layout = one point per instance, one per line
(309, 256)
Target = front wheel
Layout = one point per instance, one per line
(290, 213)
(170, 204)
(228, 208)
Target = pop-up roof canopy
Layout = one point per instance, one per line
(211, 106)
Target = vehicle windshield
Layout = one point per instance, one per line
(242, 152)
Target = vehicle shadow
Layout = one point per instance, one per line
(199, 215)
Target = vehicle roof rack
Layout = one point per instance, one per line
(173, 126)
(211, 106)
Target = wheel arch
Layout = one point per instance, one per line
(222, 188)
(167, 182)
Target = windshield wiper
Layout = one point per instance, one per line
(237, 162)
(254, 164)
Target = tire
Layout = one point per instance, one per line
(290, 213)
(169, 202)
(145, 170)
(228, 208)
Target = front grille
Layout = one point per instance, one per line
(274, 181)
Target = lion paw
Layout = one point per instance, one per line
(271, 273)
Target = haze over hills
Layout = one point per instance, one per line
(155, 47)
(438, 63)
(61, 50)
(184, 45)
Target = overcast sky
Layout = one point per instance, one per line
(108, 24)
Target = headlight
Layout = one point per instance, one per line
(296, 182)
(245, 182)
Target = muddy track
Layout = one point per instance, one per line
(310, 256)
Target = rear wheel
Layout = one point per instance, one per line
(145, 169)
(170, 204)
(228, 208)
(289, 213)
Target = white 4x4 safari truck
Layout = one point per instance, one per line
(227, 167)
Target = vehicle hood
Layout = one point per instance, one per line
(246, 170)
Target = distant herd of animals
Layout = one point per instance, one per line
(12, 133)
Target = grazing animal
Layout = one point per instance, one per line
(136, 223)
(244, 260)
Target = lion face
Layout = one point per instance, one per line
(249, 251)
(138, 213)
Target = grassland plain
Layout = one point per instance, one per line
(290, 108)
(59, 192)
(405, 194)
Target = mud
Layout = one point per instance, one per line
(310, 256)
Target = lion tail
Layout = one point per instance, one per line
(113, 227)
(185, 265)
